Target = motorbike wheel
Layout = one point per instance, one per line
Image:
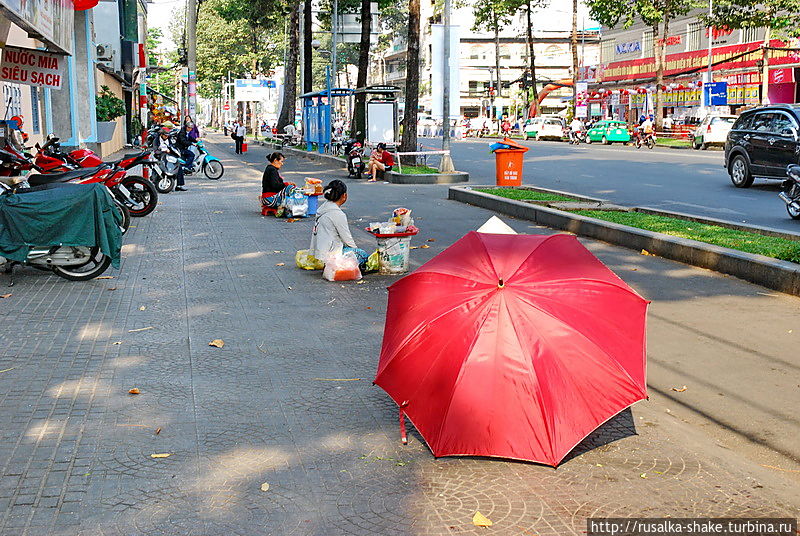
(638, 143)
(213, 169)
(164, 183)
(793, 213)
(650, 144)
(143, 193)
(126, 216)
(97, 264)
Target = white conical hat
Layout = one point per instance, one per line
(495, 225)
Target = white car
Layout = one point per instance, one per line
(544, 127)
(712, 130)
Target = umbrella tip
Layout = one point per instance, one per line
(500, 284)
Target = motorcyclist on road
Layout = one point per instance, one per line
(574, 127)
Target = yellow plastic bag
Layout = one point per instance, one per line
(374, 262)
(306, 261)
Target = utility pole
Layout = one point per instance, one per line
(191, 57)
(446, 165)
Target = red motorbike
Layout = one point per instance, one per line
(135, 192)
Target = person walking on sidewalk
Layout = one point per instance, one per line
(239, 133)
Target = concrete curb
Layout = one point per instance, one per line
(427, 178)
(775, 274)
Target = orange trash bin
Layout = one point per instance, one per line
(508, 164)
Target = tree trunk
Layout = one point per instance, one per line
(409, 141)
(308, 72)
(532, 62)
(359, 113)
(574, 45)
(290, 76)
(658, 54)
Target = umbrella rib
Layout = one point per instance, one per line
(583, 336)
(625, 288)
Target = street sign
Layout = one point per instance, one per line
(226, 107)
(248, 89)
(718, 93)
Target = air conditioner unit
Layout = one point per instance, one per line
(105, 52)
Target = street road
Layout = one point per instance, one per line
(692, 182)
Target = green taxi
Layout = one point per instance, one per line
(608, 131)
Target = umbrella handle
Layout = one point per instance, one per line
(403, 436)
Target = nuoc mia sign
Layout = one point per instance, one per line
(32, 67)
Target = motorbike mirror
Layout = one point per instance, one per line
(793, 170)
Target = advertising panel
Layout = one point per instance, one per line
(48, 20)
(246, 89)
(32, 67)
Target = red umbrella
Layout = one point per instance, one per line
(514, 346)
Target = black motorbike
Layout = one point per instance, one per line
(355, 158)
(791, 191)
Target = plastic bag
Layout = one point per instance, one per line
(296, 204)
(306, 261)
(342, 267)
(374, 262)
(402, 216)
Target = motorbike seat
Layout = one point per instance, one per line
(65, 176)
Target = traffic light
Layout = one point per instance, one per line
(525, 81)
(492, 91)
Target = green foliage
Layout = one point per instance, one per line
(779, 15)
(108, 106)
(651, 12)
(523, 194)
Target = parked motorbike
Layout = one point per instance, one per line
(209, 165)
(791, 191)
(355, 158)
(165, 172)
(76, 263)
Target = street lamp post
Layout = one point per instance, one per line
(709, 74)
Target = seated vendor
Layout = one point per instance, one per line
(380, 160)
(331, 232)
(273, 190)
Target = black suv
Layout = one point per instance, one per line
(762, 142)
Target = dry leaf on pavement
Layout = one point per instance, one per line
(424, 246)
(431, 240)
(6, 295)
(679, 389)
(643, 475)
(142, 308)
(105, 277)
(281, 264)
(645, 252)
(219, 343)
(414, 247)
(111, 288)
(480, 520)
(134, 391)
(265, 486)
(165, 455)
(158, 431)
(115, 343)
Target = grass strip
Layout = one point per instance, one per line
(520, 194)
(418, 170)
(769, 246)
(672, 142)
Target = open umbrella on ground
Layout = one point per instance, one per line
(512, 346)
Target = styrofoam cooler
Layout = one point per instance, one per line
(394, 254)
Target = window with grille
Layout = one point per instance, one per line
(607, 51)
(647, 43)
(35, 127)
(694, 36)
(750, 35)
(12, 98)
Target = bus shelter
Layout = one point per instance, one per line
(381, 114)
(317, 123)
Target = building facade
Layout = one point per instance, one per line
(623, 84)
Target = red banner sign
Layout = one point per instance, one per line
(32, 67)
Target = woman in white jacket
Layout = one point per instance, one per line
(331, 233)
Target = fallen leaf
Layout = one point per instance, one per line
(369, 307)
(634, 269)
(643, 475)
(414, 247)
(276, 251)
(599, 464)
(265, 486)
(217, 212)
(679, 389)
(165, 455)
(362, 282)
(292, 220)
(142, 308)
(645, 252)
(480, 520)
(431, 240)
(140, 329)
(111, 288)
(105, 277)
(134, 391)
(6, 295)
(424, 246)
(219, 343)
(281, 264)
(158, 431)
(118, 342)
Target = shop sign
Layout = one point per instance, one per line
(718, 93)
(50, 21)
(628, 48)
(781, 76)
(32, 67)
(672, 40)
(581, 111)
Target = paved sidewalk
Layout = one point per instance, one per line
(75, 447)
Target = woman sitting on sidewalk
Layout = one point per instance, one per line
(273, 190)
(381, 160)
(331, 233)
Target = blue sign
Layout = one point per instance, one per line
(271, 83)
(246, 82)
(717, 93)
(627, 48)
